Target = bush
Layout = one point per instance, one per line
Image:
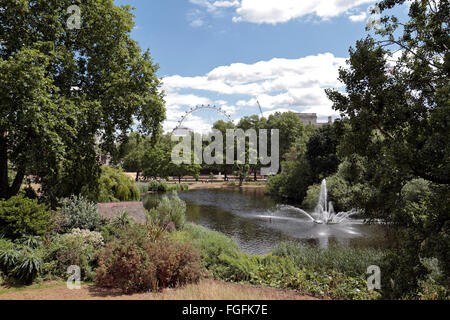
(21, 216)
(142, 187)
(168, 210)
(351, 261)
(78, 212)
(79, 248)
(162, 186)
(210, 244)
(139, 262)
(18, 262)
(116, 186)
(223, 260)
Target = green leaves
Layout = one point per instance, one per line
(21, 216)
(64, 91)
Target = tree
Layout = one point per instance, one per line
(290, 126)
(224, 168)
(65, 91)
(398, 120)
(256, 123)
(132, 152)
(321, 153)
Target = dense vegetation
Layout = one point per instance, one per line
(65, 98)
(66, 101)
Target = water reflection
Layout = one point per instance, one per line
(258, 222)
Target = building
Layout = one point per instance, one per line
(311, 119)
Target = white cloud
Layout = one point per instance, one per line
(226, 4)
(278, 84)
(358, 17)
(195, 18)
(273, 12)
(280, 11)
(264, 77)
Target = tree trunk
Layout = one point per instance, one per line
(4, 185)
(179, 180)
(256, 179)
(17, 183)
(137, 176)
(226, 176)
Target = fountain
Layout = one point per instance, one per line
(324, 212)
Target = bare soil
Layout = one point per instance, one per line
(205, 290)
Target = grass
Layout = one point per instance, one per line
(337, 272)
(206, 289)
(351, 261)
(36, 286)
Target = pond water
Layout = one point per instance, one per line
(258, 222)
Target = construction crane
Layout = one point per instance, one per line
(260, 109)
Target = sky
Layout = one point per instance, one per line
(234, 53)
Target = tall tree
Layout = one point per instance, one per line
(64, 91)
(398, 109)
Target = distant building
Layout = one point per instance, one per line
(182, 131)
(311, 119)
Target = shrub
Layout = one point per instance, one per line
(351, 261)
(138, 261)
(21, 216)
(154, 185)
(115, 226)
(79, 248)
(433, 287)
(142, 187)
(222, 258)
(116, 186)
(78, 212)
(210, 244)
(168, 210)
(162, 186)
(124, 264)
(18, 262)
(176, 263)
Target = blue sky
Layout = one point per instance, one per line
(232, 53)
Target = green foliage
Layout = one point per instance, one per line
(78, 212)
(211, 245)
(321, 153)
(18, 262)
(340, 275)
(142, 187)
(433, 287)
(54, 136)
(168, 210)
(116, 186)
(21, 216)
(397, 120)
(290, 126)
(79, 248)
(138, 263)
(292, 182)
(163, 186)
(311, 157)
(350, 261)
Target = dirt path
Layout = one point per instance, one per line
(205, 290)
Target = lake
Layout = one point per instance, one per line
(258, 222)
